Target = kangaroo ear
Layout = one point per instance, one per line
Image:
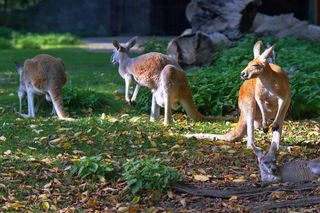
(266, 53)
(116, 44)
(273, 149)
(257, 49)
(132, 42)
(257, 151)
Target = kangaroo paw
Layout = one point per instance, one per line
(274, 126)
(132, 103)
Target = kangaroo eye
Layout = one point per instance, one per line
(255, 65)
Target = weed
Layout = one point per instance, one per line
(149, 174)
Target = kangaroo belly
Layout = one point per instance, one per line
(159, 95)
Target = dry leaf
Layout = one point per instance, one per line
(201, 178)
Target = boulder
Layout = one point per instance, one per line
(232, 17)
(191, 49)
(287, 25)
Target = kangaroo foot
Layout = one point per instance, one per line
(274, 126)
(132, 103)
(265, 128)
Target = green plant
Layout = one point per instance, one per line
(26, 42)
(148, 174)
(5, 43)
(93, 166)
(155, 45)
(76, 98)
(6, 32)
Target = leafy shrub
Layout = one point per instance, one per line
(6, 32)
(93, 166)
(26, 42)
(155, 45)
(215, 87)
(148, 174)
(5, 43)
(76, 98)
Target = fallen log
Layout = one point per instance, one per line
(302, 202)
(243, 192)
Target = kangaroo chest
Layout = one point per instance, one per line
(268, 98)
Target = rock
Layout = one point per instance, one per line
(231, 18)
(287, 25)
(219, 40)
(191, 49)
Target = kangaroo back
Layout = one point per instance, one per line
(296, 171)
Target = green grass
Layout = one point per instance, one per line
(43, 149)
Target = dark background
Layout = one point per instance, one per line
(122, 17)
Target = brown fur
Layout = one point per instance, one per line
(267, 83)
(161, 74)
(46, 75)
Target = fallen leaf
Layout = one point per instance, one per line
(233, 197)
(201, 178)
(2, 138)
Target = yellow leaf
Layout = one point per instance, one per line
(153, 150)
(111, 119)
(134, 119)
(66, 145)
(46, 161)
(233, 197)
(92, 203)
(45, 205)
(103, 116)
(153, 143)
(16, 205)
(201, 178)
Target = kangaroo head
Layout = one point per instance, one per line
(122, 49)
(18, 67)
(267, 163)
(258, 64)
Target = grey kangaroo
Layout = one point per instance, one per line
(42, 75)
(292, 171)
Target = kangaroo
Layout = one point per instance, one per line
(265, 94)
(42, 75)
(292, 172)
(161, 74)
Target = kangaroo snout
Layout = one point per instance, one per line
(244, 75)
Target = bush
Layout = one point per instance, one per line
(93, 166)
(76, 98)
(5, 43)
(6, 32)
(215, 87)
(148, 174)
(155, 45)
(26, 42)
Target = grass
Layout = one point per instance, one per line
(37, 153)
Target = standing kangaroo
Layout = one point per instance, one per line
(292, 172)
(265, 94)
(161, 74)
(42, 75)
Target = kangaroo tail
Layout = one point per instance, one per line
(233, 135)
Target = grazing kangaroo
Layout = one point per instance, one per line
(265, 94)
(42, 75)
(161, 74)
(292, 172)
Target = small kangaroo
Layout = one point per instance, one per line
(265, 94)
(161, 74)
(292, 172)
(42, 75)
